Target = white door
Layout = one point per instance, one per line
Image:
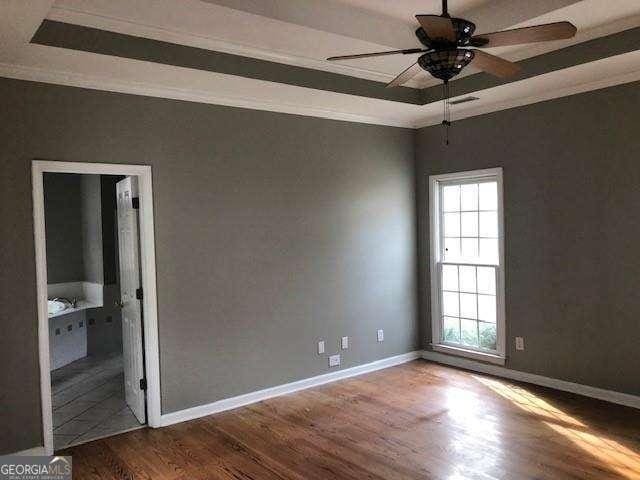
(126, 191)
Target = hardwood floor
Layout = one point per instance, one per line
(418, 420)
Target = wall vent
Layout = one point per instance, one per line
(463, 100)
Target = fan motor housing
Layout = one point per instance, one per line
(446, 63)
(464, 31)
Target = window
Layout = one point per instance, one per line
(467, 264)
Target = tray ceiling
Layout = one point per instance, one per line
(302, 33)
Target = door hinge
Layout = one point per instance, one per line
(135, 202)
(143, 384)
(138, 293)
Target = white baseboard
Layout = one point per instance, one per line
(593, 392)
(35, 451)
(257, 396)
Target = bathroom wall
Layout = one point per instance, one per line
(73, 222)
(79, 226)
(63, 220)
(90, 197)
(104, 332)
(104, 325)
(109, 228)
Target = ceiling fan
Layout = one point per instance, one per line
(450, 45)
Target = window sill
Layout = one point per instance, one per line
(462, 352)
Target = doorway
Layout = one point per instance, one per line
(96, 310)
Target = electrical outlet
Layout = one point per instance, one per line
(320, 347)
(519, 343)
(381, 335)
(334, 361)
(344, 343)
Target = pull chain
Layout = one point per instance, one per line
(446, 110)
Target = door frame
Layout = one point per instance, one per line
(148, 268)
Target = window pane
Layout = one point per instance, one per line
(450, 306)
(469, 224)
(451, 224)
(469, 332)
(489, 196)
(487, 308)
(469, 247)
(451, 198)
(467, 232)
(451, 329)
(469, 196)
(451, 248)
(489, 250)
(486, 280)
(488, 336)
(450, 277)
(467, 278)
(488, 224)
(468, 305)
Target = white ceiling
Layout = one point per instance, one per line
(303, 33)
(405, 9)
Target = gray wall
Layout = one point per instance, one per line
(572, 225)
(90, 190)
(63, 223)
(272, 231)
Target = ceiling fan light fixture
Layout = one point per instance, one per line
(463, 29)
(446, 64)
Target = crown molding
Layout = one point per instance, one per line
(146, 89)
(72, 79)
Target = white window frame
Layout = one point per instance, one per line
(435, 261)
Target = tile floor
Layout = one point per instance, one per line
(88, 401)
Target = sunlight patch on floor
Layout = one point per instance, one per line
(616, 456)
(529, 402)
(624, 461)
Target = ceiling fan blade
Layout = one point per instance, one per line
(378, 54)
(516, 36)
(437, 27)
(496, 66)
(405, 76)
